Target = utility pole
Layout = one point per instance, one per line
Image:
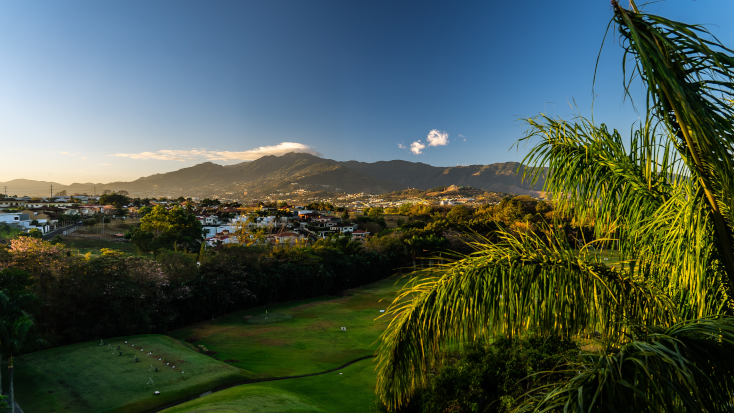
(52, 190)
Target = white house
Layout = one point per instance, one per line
(208, 219)
(212, 230)
(23, 221)
(14, 218)
(342, 228)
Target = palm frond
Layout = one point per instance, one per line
(689, 83)
(678, 240)
(592, 173)
(521, 284)
(642, 196)
(685, 368)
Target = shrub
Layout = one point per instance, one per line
(494, 378)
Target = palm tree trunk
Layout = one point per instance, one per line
(10, 378)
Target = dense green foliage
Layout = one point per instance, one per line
(116, 200)
(495, 378)
(166, 228)
(320, 206)
(86, 297)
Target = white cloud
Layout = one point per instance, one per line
(417, 147)
(436, 138)
(401, 146)
(106, 164)
(250, 155)
(462, 136)
(84, 157)
(166, 155)
(464, 139)
(64, 152)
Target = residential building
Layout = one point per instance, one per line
(343, 228)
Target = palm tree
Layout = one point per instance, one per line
(15, 325)
(666, 198)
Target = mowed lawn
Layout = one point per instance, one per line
(351, 391)
(82, 246)
(89, 378)
(310, 342)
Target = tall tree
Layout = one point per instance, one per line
(169, 229)
(15, 325)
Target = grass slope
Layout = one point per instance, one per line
(87, 377)
(310, 342)
(351, 391)
(84, 245)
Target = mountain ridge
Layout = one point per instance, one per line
(294, 171)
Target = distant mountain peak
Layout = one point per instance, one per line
(296, 170)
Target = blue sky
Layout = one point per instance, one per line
(102, 91)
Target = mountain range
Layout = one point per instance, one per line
(294, 171)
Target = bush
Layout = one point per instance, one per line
(372, 227)
(390, 244)
(494, 378)
(4, 403)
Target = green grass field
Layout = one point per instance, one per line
(310, 342)
(89, 378)
(84, 245)
(350, 391)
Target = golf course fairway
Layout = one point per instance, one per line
(351, 391)
(310, 342)
(286, 339)
(91, 378)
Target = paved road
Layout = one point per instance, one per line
(59, 231)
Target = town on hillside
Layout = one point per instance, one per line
(273, 218)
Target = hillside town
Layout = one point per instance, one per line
(279, 213)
